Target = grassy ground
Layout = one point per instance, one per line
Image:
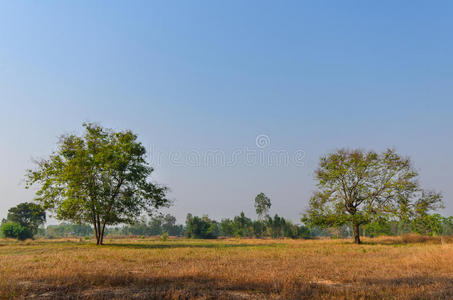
(384, 268)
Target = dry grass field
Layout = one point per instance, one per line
(383, 268)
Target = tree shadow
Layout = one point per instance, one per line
(135, 286)
(132, 285)
(416, 280)
(402, 240)
(186, 245)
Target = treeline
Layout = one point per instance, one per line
(156, 225)
(429, 224)
(65, 230)
(25, 220)
(279, 227)
(243, 227)
(195, 227)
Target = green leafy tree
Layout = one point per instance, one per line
(259, 228)
(169, 225)
(15, 231)
(243, 226)
(262, 205)
(429, 224)
(377, 227)
(155, 225)
(226, 227)
(29, 215)
(447, 226)
(101, 178)
(355, 187)
(422, 221)
(201, 228)
(277, 226)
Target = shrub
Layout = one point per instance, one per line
(164, 237)
(15, 231)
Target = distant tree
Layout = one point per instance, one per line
(169, 223)
(29, 215)
(226, 227)
(66, 229)
(15, 231)
(422, 221)
(100, 178)
(377, 226)
(277, 226)
(447, 226)
(155, 225)
(356, 187)
(259, 228)
(201, 228)
(429, 224)
(243, 226)
(262, 205)
(169, 226)
(139, 228)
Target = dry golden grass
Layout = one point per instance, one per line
(397, 268)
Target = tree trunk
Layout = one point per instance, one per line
(99, 241)
(96, 232)
(102, 234)
(356, 234)
(98, 236)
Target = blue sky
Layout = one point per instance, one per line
(200, 76)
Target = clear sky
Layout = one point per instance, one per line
(193, 78)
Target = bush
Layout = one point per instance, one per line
(164, 237)
(15, 231)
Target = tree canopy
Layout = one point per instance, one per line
(357, 187)
(29, 215)
(15, 231)
(262, 205)
(101, 178)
